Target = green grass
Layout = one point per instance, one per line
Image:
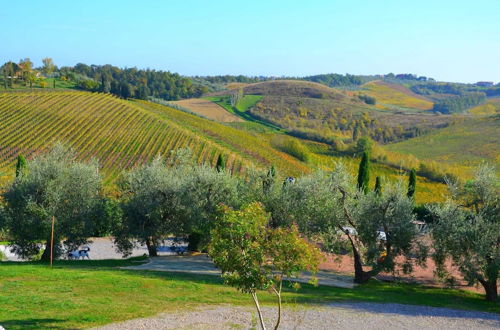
(248, 101)
(81, 294)
(466, 144)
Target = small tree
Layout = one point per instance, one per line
(48, 66)
(364, 173)
(467, 231)
(269, 180)
(221, 163)
(20, 166)
(378, 186)
(236, 97)
(252, 256)
(412, 183)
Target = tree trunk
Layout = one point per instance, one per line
(278, 293)
(261, 319)
(151, 245)
(360, 276)
(490, 287)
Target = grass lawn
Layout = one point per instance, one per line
(81, 294)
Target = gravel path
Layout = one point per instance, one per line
(332, 316)
(201, 264)
(103, 248)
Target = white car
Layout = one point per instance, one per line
(351, 231)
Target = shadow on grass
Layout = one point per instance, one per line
(32, 323)
(111, 263)
(373, 292)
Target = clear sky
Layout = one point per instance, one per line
(450, 40)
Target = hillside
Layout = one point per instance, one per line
(122, 134)
(295, 88)
(491, 107)
(466, 143)
(321, 113)
(390, 95)
(207, 109)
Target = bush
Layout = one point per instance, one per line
(88, 85)
(367, 99)
(292, 147)
(195, 242)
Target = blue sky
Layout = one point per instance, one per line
(448, 40)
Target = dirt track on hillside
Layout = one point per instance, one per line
(208, 109)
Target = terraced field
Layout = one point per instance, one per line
(122, 134)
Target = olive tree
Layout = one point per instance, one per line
(177, 197)
(152, 206)
(467, 231)
(306, 203)
(378, 228)
(56, 185)
(253, 256)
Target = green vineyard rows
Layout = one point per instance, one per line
(122, 134)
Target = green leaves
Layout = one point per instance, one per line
(467, 230)
(253, 256)
(55, 185)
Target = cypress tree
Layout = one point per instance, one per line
(364, 173)
(378, 186)
(412, 184)
(21, 165)
(221, 163)
(53, 82)
(269, 180)
(355, 133)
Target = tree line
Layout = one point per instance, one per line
(125, 83)
(376, 224)
(459, 103)
(132, 82)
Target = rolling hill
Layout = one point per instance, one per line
(390, 96)
(322, 113)
(466, 143)
(122, 134)
(491, 107)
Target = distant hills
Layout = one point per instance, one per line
(125, 117)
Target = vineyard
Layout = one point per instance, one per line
(389, 96)
(121, 134)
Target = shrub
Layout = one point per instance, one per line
(292, 147)
(194, 241)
